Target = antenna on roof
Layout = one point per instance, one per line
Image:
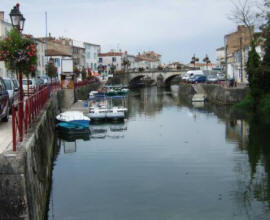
(46, 30)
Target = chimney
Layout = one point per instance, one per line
(240, 28)
(2, 13)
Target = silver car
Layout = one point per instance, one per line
(11, 90)
(212, 79)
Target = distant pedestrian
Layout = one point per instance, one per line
(231, 82)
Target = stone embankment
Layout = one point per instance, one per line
(25, 175)
(215, 93)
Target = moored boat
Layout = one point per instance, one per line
(115, 114)
(97, 113)
(71, 128)
(73, 117)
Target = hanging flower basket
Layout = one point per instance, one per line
(19, 53)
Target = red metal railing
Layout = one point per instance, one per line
(55, 86)
(86, 82)
(80, 84)
(24, 113)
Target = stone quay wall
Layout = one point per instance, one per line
(82, 93)
(25, 176)
(215, 93)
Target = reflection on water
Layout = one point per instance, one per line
(170, 160)
(105, 130)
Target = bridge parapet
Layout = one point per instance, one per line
(154, 74)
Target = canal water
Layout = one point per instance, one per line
(170, 160)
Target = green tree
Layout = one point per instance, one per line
(265, 67)
(254, 75)
(126, 64)
(83, 73)
(76, 71)
(112, 69)
(51, 70)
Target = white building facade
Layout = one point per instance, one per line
(107, 60)
(148, 60)
(239, 59)
(4, 28)
(41, 47)
(220, 55)
(91, 56)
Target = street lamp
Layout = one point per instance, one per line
(17, 18)
(194, 59)
(207, 61)
(17, 21)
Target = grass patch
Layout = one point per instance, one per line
(245, 105)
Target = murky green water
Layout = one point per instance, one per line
(169, 161)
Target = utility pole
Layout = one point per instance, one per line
(241, 60)
(226, 58)
(46, 30)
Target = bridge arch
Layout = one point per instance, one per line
(135, 79)
(167, 81)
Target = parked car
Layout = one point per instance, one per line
(186, 77)
(198, 79)
(46, 80)
(4, 101)
(40, 83)
(32, 86)
(16, 91)
(221, 76)
(190, 74)
(212, 78)
(12, 91)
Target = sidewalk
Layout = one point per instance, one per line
(5, 135)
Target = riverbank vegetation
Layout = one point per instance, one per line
(257, 103)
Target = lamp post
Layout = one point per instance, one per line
(207, 61)
(17, 21)
(194, 59)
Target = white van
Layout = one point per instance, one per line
(191, 73)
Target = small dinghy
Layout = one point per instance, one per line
(73, 117)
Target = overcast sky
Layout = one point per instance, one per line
(174, 28)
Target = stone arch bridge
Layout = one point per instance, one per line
(161, 78)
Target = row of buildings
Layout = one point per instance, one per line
(83, 54)
(233, 56)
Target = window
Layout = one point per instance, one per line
(8, 84)
(114, 59)
(100, 60)
(88, 55)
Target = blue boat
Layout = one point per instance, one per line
(72, 128)
(73, 118)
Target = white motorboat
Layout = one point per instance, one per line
(97, 113)
(115, 113)
(74, 117)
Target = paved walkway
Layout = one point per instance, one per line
(5, 135)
